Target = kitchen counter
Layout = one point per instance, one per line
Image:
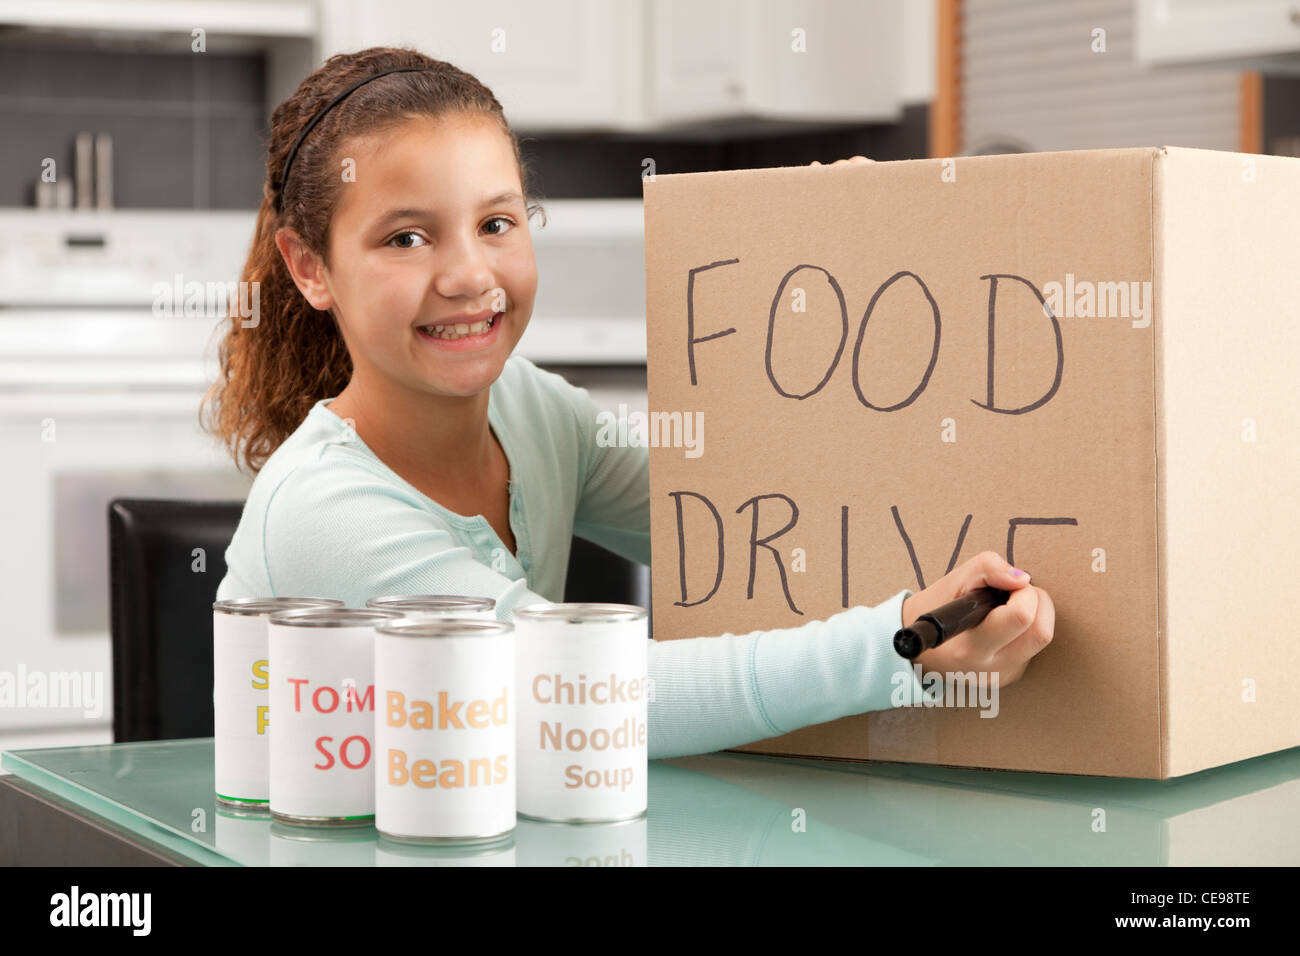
(152, 803)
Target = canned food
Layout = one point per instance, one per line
(581, 670)
(445, 732)
(436, 605)
(240, 703)
(323, 698)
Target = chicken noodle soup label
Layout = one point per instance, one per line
(445, 730)
(583, 733)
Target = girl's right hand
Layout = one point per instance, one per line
(1007, 637)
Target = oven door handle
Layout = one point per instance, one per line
(34, 406)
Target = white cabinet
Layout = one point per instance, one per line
(651, 65)
(561, 64)
(219, 18)
(798, 60)
(1253, 34)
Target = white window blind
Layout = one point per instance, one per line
(1030, 77)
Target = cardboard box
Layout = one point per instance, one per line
(1086, 361)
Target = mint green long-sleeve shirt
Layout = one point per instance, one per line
(325, 517)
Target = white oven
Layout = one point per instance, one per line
(99, 398)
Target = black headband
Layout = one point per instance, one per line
(284, 176)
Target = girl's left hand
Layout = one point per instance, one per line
(854, 160)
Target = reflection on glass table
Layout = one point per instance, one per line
(741, 810)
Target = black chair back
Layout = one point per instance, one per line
(166, 559)
(598, 575)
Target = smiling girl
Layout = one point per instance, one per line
(400, 447)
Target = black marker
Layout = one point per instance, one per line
(934, 627)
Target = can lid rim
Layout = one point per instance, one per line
(445, 627)
(332, 616)
(431, 600)
(264, 605)
(581, 613)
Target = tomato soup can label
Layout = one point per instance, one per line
(437, 605)
(582, 677)
(445, 730)
(240, 697)
(323, 699)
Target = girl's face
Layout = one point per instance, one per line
(433, 230)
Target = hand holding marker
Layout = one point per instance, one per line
(934, 627)
(1002, 636)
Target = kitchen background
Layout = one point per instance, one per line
(167, 105)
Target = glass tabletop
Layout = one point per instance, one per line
(743, 810)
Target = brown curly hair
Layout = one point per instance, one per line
(274, 371)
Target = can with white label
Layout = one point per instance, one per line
(436, 605)
(445, 730)
(323, 699)
(240, 701)
(581, 674)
